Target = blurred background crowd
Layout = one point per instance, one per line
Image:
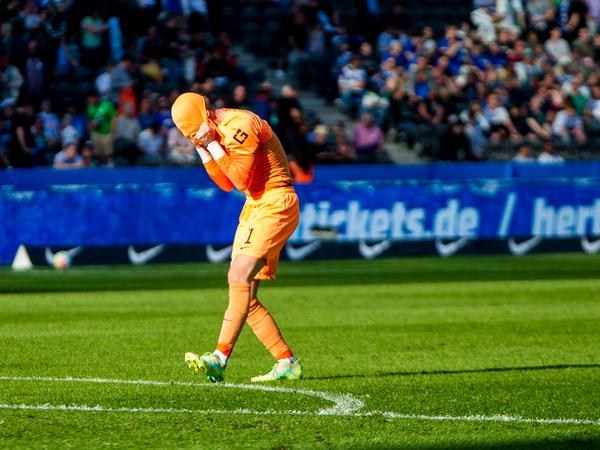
(88, 83)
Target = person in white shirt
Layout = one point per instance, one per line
(104, 81)
(568, 126)
(151, 144)
(524, 154)
(181, 149)
(558, 48)
(351, 83)
(498, 117)
(69, 134)
(548, 156)
(68, 158)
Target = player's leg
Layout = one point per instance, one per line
(266, 330)
(241, 273)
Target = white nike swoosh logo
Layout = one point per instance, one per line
(218, 256)
(591, 248)
(297, 254)
(141, 258)
(373, 251)
(450, 248)
(72, 253)
(522, 248)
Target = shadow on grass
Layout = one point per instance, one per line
(539, 444)
(458, 372)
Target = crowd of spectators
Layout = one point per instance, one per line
(519, 72)
(78, 88)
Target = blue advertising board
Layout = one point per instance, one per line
(170, 207)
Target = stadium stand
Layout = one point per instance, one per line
(484, 78)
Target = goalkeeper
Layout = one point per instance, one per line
(239, 150)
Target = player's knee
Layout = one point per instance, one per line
(243, 269)
(239, 275)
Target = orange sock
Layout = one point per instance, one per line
(235, 316)
(267, 331)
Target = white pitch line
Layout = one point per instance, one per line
(345, 405)
(342, 403)
(271, 412)
(478, 418)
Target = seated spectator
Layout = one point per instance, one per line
(476, 130)
(583, 43)
(78, 121)
(11, 81)
(499, 119)
(87, 155)
(146, 115)
(351, 84)
(344, 150)
(455, 143)
(239, 98)
(181, 150)
(52, 125)
(68, 158)
(558, 48)
(483, 17)
(568, 126)
(541, 15)
(368, 139)
(320, 145)
(262, 103)
(104, 81)
(163, 112)
(127, 129)
(548, 156)
(539, 128)
(69, 134)
(151, 144)
(524, 154)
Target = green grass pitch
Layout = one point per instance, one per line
(424, 343)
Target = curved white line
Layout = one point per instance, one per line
(344, 404)
(270, 412)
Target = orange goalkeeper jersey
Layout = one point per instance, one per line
(255, 160)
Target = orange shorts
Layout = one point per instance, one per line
(265, 226)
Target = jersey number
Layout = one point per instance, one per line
(240, 136)
(249, 236)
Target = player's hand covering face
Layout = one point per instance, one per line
(189, 112)
(204, 135)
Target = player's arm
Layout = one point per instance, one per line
(214, 171)
(237, 154)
